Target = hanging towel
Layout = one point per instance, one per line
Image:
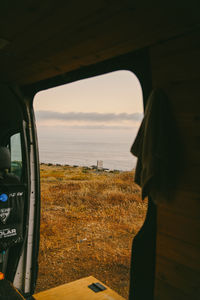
(154, 147)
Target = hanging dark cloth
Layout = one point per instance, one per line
(156, 149)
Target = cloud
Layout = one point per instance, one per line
(80, 127)
(87, 116)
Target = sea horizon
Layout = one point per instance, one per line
(84, 147)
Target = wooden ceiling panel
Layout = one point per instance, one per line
(48, 38)
(17, 16)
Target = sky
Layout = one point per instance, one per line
(112, 100)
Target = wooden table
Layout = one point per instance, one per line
(78, 290)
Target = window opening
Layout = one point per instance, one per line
(91, 208)
(16, 154)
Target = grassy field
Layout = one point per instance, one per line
(88, 221)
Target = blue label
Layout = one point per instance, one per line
(3, 197)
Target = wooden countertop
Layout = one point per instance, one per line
(78, 290)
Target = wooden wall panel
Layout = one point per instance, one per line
(178, 251)
(179, 203)
(165, 291)
(176, 69)
(182, 228)
(176, 275)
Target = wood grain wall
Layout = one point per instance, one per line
(176, 68)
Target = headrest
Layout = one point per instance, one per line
(5, 159)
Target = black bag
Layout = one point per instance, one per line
(12, 199)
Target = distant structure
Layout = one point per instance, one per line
(99, 164)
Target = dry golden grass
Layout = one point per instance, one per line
(88, 222)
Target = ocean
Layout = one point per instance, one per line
(84, 146)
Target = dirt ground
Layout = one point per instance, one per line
(88, 221)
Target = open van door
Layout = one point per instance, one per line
(19, 193)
